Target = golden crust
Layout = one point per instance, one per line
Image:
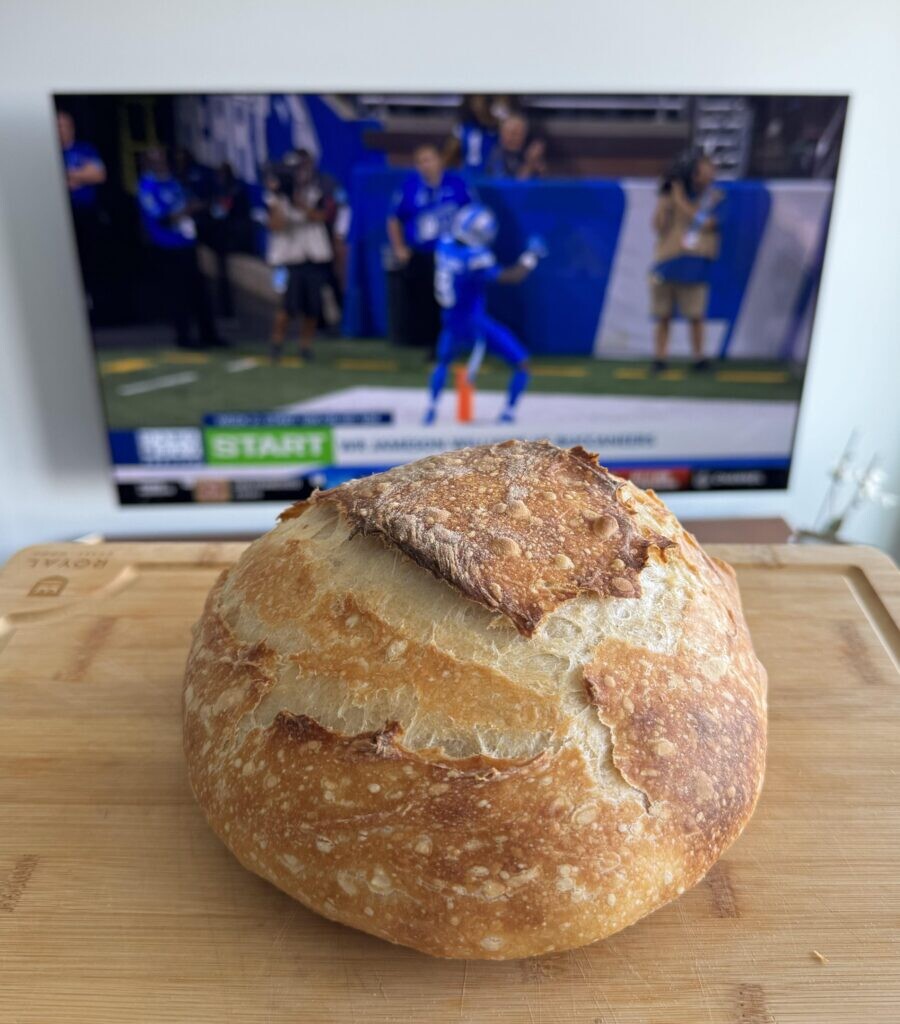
(494, 779)
(521, 527)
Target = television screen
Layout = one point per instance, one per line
(288, 290)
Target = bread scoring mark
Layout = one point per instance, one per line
(384, 744)
(520, 527)
(300, 728)
(16, 882)
(688, 727)
(352, 678)
(697, 751)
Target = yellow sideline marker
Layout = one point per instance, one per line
(186, 358)
(125, 365)
(559, 371)
(752, 376)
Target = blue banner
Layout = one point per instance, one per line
(558, 310)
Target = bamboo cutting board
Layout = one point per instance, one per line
(117, 903)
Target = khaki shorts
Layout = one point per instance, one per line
(689, 299)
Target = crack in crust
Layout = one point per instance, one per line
(520, 527)
(384, 745)
(380, 743)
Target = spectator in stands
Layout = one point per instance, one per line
(299, 247)
(194, 179)
(474, 135)
(519, 154)
(686, 222)
(422, 211)
(172, 232)
(85, 173)
(224, 227)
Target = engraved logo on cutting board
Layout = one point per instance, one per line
(64, 560)
(48, 586)
(53, 562)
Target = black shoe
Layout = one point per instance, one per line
(701, 365)
(307, 355)
(188, 343)
(660, 366)
(275, 354)
(215, 342)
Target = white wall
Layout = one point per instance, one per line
(54, 480)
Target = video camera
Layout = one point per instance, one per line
(279, 176)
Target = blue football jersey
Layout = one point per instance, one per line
(475, 143)
(426, 211)
(160, 201)
(461, 276)
(75, 157)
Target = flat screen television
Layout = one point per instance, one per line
(287, 290)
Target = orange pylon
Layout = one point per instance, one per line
(465, 396)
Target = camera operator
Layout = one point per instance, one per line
(299, 247)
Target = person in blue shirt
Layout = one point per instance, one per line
(85, 173)
(85, 170)
(166, 217)
(422, 210)
(474, 135)
(464, 266)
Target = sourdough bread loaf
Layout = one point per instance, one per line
(493, 703)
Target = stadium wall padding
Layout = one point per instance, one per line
(591, 294)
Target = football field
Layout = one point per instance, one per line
(173, 388)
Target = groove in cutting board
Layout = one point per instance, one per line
(883, 626)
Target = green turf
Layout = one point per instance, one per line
(266, 386)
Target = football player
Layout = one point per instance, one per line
(464, 266)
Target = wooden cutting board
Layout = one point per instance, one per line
(117, 904)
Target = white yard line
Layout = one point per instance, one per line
(239, 365)
(169, 380)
